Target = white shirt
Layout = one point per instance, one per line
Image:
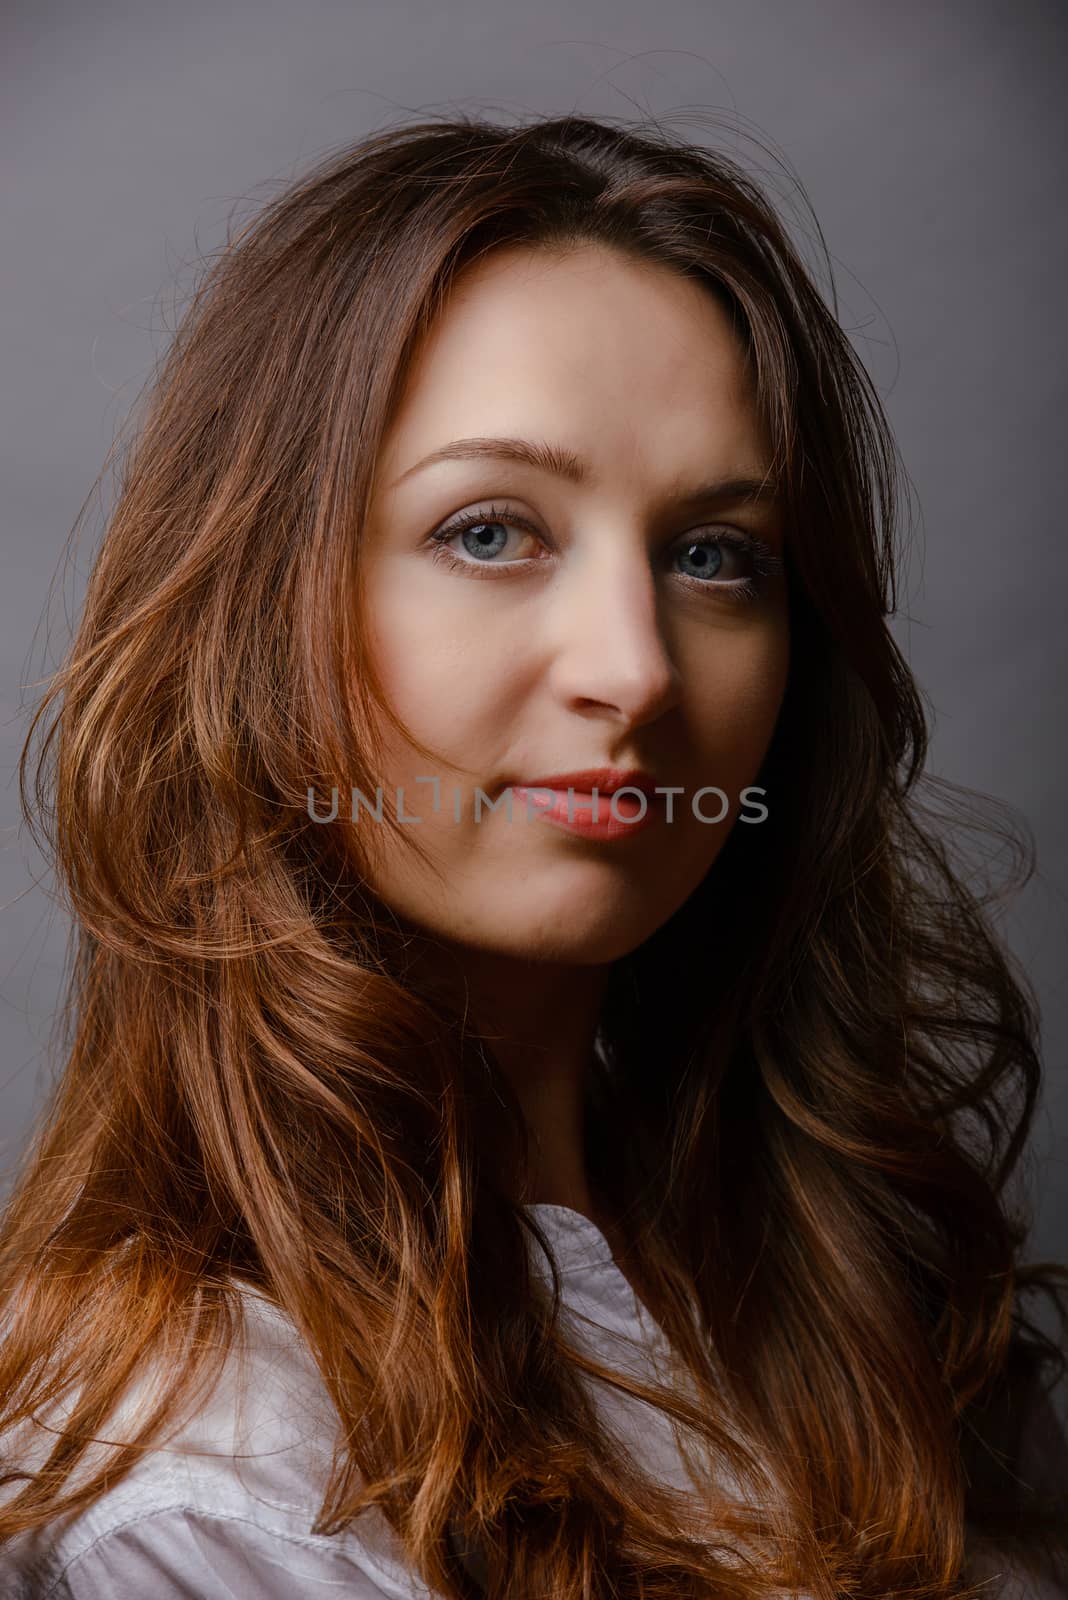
(224, 1510)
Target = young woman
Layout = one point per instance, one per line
(467, 1179)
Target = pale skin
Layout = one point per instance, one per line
(601, 645)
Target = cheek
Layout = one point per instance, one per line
(734, 710)
(442, 677)
(737, 692)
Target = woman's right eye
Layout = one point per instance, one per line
(482, 537)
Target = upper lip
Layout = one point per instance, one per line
(606, 780)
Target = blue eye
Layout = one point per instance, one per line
(484, 534)
(706, 557)
(480, 539)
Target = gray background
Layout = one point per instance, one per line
(929, 142)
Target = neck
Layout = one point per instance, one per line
(540, 1021)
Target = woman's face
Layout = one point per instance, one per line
(587, 619)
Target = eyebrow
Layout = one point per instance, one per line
(565, 464)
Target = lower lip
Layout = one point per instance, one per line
(626, 822)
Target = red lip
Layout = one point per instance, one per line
(606, 780)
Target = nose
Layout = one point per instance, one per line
(608, 650)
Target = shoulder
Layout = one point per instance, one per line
(226, 1504)
(172, 1551)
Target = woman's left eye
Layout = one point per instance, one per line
(484, 535)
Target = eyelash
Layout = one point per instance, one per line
(766, 563)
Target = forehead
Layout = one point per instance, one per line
(588, 346)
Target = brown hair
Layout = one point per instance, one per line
(810, 1126)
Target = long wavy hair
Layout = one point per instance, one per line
(815, 1081)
